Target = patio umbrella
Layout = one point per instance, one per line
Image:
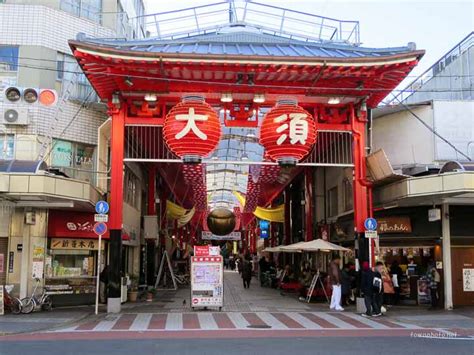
(292, 248)
(319, 245)
(272, 250)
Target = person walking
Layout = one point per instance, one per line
(434, 279)
(246, 271)
(346, 282)
(336, 277)
(104, 281)
(396, 273)
(366, 286)
(377, 298)
(388, 289)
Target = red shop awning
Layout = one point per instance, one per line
(67, 224)
(72, 224)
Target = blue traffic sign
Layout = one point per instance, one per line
(370, 224)
(100, 228)
(102, 207)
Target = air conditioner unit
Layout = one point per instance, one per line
(12, 115)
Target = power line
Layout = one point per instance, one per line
(432, 130)
(241, 85)
(73, 118)
(408, 76)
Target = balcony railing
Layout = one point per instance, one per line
(267, 18)
(434, 70)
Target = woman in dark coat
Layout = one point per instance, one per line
(246, 271)
(346, 282)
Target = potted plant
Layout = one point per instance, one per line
(150, 294)
(133, 289)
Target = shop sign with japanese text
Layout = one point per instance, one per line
(394, 225)
(75, 244)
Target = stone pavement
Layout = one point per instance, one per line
(38, 321)
(254, 308)
(236, 298)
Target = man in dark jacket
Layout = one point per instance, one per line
(366, 286)
(247, 271)
(396, 274)
(335, 275)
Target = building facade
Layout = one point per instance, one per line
(47, 211)
(425, 200)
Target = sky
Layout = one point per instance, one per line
(435, 26)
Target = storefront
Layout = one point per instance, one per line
(70, 265)
(407, 237)
(462, 254)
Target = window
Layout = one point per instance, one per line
(7, 146)
(89, 9)
(75, 159)
(332, 202)
(9, 58)
(131, 186)
(65, 66)
(348, 198)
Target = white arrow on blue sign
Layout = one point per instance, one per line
(370, 224)
(102, 207)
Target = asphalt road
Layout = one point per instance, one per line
(260, 346)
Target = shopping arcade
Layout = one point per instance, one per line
(336, 83)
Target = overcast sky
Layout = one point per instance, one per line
(435, 26)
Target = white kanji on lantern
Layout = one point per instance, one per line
(191, 117)
(298, 128)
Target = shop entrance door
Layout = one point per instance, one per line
(462, 260)
(3, 260)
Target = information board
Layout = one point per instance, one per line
(1, 301)
(207, 281)
(468, 280)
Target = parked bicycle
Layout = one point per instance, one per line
(12, 304)
(182, 279)
(29, 304)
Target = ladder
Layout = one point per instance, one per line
(66, 91)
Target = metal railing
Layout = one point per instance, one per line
(466, 43)
(266, 18)
(145, 144)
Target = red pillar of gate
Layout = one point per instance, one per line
(361, 187)
(116, 209)
(116, 171)
(308, 178)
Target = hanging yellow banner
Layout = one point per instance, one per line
(276, 214)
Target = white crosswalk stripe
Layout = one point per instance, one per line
(207, 321)
(105, 325)
(305, 322)
(271, 320)
(174, 321)
(334, 320)
(236, 320)
(141, 322)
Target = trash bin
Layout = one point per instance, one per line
(360, 305)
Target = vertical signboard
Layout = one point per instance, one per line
(207, 281)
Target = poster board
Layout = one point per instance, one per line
(423, 294)
(468, 280)
(207, 281)
(2, 308)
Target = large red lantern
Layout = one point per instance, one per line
(192, 129)
(288, 132)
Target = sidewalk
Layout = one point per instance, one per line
(262, 306)
(38, 321)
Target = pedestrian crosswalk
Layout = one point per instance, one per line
(234, 321)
